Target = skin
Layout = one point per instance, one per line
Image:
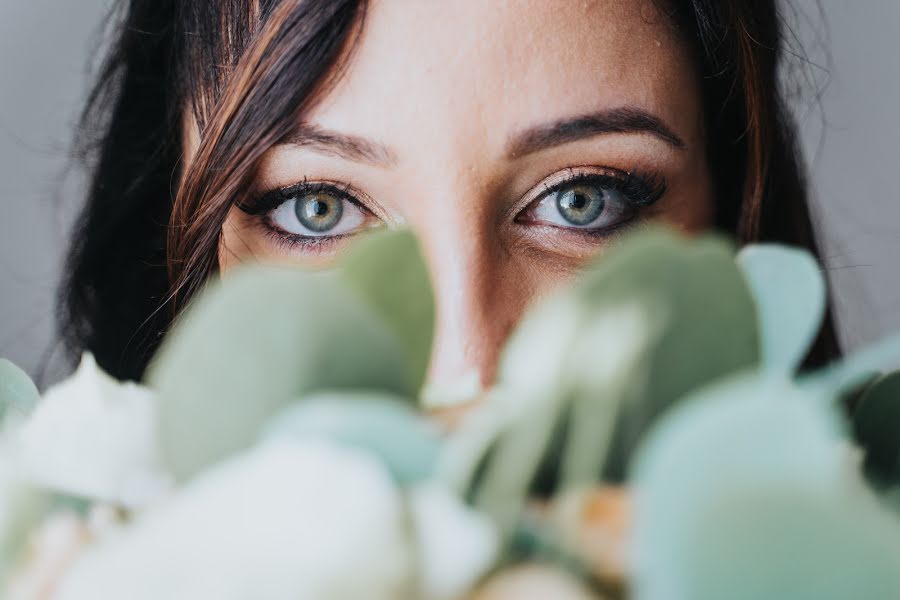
(440, 90)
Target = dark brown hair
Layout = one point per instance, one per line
(245, 69)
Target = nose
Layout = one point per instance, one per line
(479, 298)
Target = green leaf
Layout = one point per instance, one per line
(251, 345)
(388, 270)
(706, 324)
(589, 371)
(749, 491)
(789, 290)
(858, 368)
(876, 423)
(381, 424)
(18, 394)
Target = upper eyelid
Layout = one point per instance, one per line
(624, 179)
(561, 178)
(543, 188)
(267, 201)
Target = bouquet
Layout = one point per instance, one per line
(650, 435)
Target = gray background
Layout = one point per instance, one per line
(854, 153)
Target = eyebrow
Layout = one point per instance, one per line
(345, 146)
(617, 120)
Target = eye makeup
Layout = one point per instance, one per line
(591, 202)
(585, 202)
(311, 216)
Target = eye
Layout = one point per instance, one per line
(318, 214)
(311, 216)
(593, 203)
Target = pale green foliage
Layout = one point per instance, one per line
(18, 394)
(789, 290)
(859, 368)
(384, 426)
(249, 348)
(282, 389)
(267, 336)
(656, 318)
(387, 269)
(707, 324)
(751, 491)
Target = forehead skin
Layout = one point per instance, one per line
(489, 67)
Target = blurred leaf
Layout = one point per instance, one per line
(876, 423)
(381, 424)
(387, 269)
(18, 394)
(251, 345)
(858, 368)
(707, 323)
(750, 491)
(789, 291)
(656, 318)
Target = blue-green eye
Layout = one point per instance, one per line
(580, 205)
(593, 202)
(318, 214)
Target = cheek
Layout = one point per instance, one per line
(242, 242)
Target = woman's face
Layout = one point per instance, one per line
(516, 139)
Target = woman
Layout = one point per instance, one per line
(517, 139)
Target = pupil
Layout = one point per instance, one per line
(578, 202)
(319, 213)
(580, 205)
(320, 209)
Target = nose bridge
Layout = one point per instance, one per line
(465, 338)
(468, 273)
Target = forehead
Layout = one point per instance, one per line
(482, 68)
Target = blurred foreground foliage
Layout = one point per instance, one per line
(669, 372)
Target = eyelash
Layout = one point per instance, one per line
(262, 204)
(639, 190)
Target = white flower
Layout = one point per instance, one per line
(288, 520)
(455, 544)
(94, 437)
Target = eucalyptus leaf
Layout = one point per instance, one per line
(18, 394)
(750, 491)
(382, 424)
(656, 318)
(857, 369)
(705, 324)
(388, 270)
(789, 290)
(876, 423)
(255, 342)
